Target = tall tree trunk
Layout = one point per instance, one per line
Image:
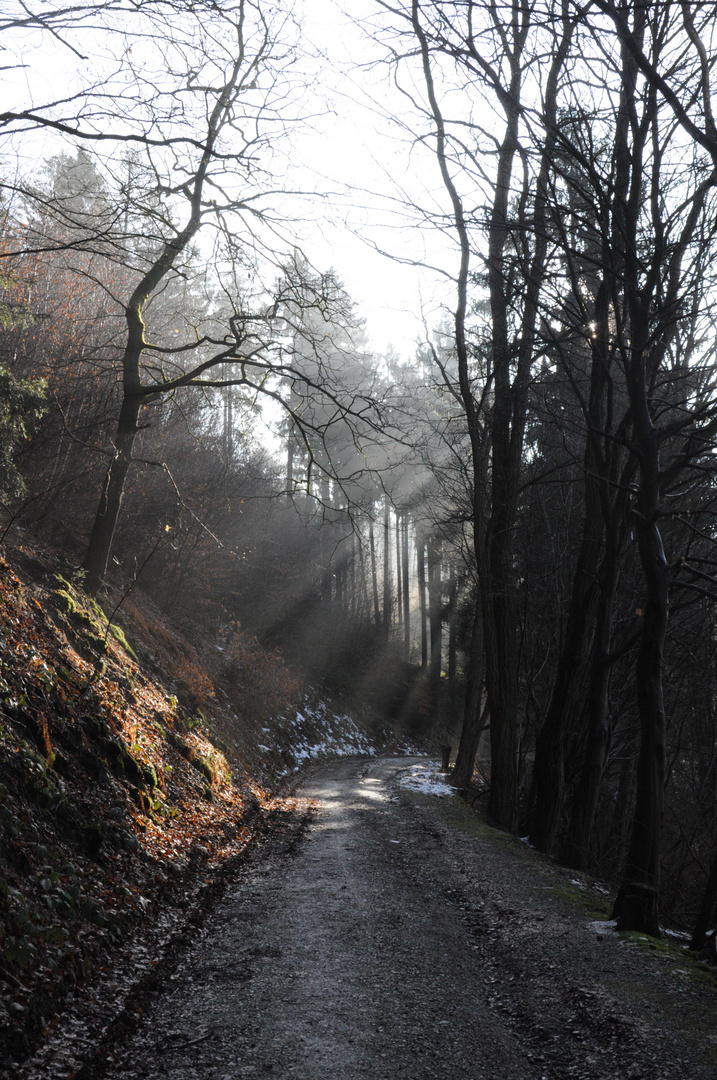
(707, 907)
(102, 534)
(512, 361)
(473, 717)
(290, 460)
(103, 530)
(399, 578)
(435, 615)
(566, 704)
(452, 633)
(386, 564)
(229, 424)
(636, 906)
(406, 592)
(420, 555)
(374, 574)
(353, 584)
(363, 607)
(107, 516)
(576, 850)
(498, 584)
(568, 693)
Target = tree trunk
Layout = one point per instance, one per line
(374, 574)
(501, 675)
(386, 565)
(568, 693)
(103, 530)
(420, 554)
(406, 592)
(636, 906)
(290, 460)
(435, 615)
(566, 704)
(399, 578)
(100, 543)
(706, 912)
(452, 635)
(473, 717)
(576, 850)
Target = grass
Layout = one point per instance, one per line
(456, 814)
(585, 899)
(696, 1025)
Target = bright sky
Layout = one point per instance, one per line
(354, 155)
(359, 154)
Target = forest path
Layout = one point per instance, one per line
(395, 941)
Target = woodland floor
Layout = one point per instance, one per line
(390, 935)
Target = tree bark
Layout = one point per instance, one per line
(386, 565)
(421, 558)
(473, 716)
(435, 615)
(406, 592)
(706, 912)
(588, 590)
(636, 906)
(576, 849)
(103, 530)
(399, 576)
(374, 575)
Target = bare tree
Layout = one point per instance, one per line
(204, 101)
(497, 50)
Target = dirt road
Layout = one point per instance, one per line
(390, 944)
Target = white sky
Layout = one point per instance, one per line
(355, 148)
(353, 153)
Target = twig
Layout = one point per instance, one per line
(9, 975)
(193, 1042)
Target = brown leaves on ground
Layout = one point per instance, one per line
(112, 798)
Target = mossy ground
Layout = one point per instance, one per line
(528, 899)
(455, 813)
(79, 611)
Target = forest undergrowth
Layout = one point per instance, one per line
(129, 770)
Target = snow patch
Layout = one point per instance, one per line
(680, 935)
(600, 925)
(314, 733)
(424, 777)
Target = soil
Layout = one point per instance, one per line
(394, 935)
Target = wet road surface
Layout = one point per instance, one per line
(399, 939)
(336, 962)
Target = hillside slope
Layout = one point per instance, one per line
(117, 790)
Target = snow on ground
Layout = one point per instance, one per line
(599, 926)
(426, 778)
(314, 733)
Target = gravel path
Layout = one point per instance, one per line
(402, 939)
